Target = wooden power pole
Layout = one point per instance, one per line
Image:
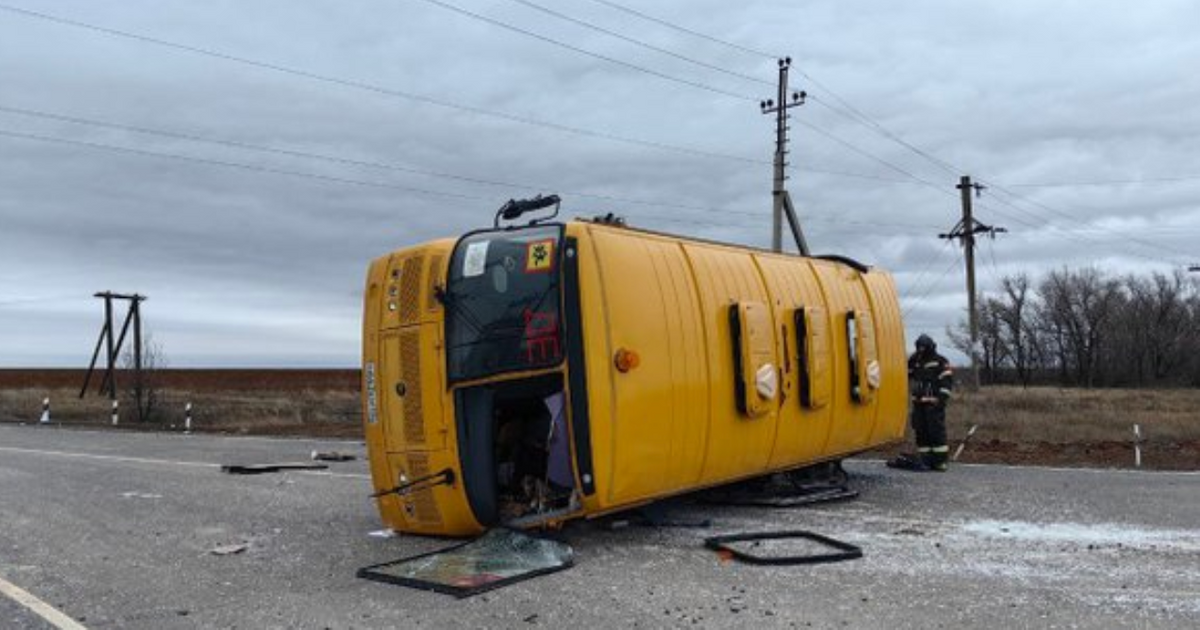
(965, 232)
(112, 347)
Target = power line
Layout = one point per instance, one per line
(673, 220)
(863, 152)
(846, 110)
(1110, 182)
(853, 114)
(1070, 217)
(236, 165)
(1063, 232)
(38, 300)
(384, 91)
(191, 137)
(937, 253)
(932, 286)
(638, 42)
(613, 60)
(436, 101)
(688, 31)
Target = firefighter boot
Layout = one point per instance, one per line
(908, 462)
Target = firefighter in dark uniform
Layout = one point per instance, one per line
(931, 383)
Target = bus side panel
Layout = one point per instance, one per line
(737, 445)
(892, 399)
(373, 414)
(802, 432)
(853, 422)
(598, 352)
(653, 312)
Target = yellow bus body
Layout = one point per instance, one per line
(699, 318)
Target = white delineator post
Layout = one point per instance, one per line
(187, 418)
(45, 411)
(115, 412)
(961, 445)
(1137, 446)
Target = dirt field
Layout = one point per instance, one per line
(316, 403)
(1042, 425)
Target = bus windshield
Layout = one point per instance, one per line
(502, 303)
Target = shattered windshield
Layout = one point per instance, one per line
(502, 303)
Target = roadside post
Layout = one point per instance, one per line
(45, 411)
(115, 411)
(1137, 446)
(187, 418)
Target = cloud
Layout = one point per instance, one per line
(253, 257)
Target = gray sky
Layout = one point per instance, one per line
(257, 257)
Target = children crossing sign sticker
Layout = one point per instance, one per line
(539, 256)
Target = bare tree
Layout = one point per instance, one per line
(1017, 330)
(142, 389)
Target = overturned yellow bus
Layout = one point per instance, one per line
(534, 374)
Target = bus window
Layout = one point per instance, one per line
(755, 375)
(812, 346)
(864, 366)
(502, 303)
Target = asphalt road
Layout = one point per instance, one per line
(115, 531)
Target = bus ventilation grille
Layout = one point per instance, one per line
(410, 374)
(435, 276)
(410, 290)
(423, 503)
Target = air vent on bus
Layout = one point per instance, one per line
(410, 290)
(410, 376)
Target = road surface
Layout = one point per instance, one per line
(115, 529)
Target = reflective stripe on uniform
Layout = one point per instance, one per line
(945, 392)
(946, 374)
(940, 449)
(924, 449)
(932, 364)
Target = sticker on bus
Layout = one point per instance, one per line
(475, 259)
(539, 256)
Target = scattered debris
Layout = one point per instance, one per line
(140, 495)
(499, 557)
(818, 484)
(654, 515)
(258, 469)
(723, 545)
(383, 533)
(333, 456)
(229, 550)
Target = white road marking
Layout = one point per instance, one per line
(38, 607)
(1057, 469)
(111, 458)
(162, 462)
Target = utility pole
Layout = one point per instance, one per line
(782, 200)
(965, 232)
(112, 348)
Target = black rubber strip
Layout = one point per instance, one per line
(844, 551)
(577, 367)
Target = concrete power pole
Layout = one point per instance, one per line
(965, 232)
(782, 200)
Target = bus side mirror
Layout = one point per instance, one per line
(514, 208)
